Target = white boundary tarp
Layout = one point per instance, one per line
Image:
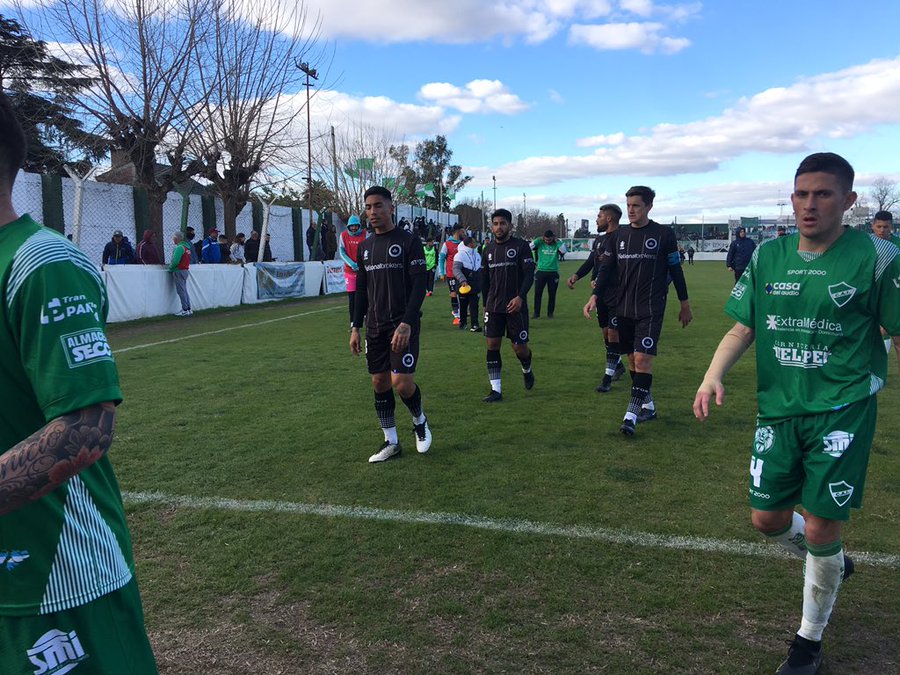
(140, 291)
(333, 280)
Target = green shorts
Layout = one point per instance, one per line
(104, 636)
(818, 461)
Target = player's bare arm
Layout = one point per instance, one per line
(400, 339)
(730, 349)
(53, 454)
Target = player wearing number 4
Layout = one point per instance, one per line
(390, 288)
(813, 301)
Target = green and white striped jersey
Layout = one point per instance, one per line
(71, 546)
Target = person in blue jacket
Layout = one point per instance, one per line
(118, 250)
(211, 251)
(739, 253)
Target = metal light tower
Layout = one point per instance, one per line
(495, 192)
(524, 210)
(310, 73)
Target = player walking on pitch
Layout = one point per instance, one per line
(644, 255)
(390, 288)
(813, 302)
(607, 223)
(507, 275)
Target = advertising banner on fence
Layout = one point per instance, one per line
(334, 277)
(280, 280)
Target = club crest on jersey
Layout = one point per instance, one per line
(365, 255)
(621, 245)
(841, 293)
(835, 443)
(840, 492)
(395, 250)
(12, 559)
(765, 438)
(510, 253)
(651, 244)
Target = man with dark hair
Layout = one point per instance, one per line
(739, 253)
(390, 288)
(547, 252)
(883, 228)
(507, 274)
(645, 256)
(607, 222)
(813, 303)
(467, 271)
(68, 597)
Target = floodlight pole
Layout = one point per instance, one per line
(310, 73)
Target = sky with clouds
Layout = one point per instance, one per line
(570, 102)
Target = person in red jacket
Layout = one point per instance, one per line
(147, 252)
(445, 269)
(351, 238)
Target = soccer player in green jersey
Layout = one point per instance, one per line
(547, 251)
(68, 596)
(883, 228)
(813, 302)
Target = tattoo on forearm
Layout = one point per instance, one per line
(54, 454)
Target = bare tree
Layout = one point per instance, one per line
(884, 193)
(249, 66)
(141, 53)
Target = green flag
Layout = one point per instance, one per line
(390, 183)
(353, 173)
(429, 189)
(365, 163)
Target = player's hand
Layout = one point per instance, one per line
(730, 269)
(590, 306)
(570, 282)
(514, 305)
(685, 315)
(400, 340)
(593, 284)
(708, 389)
(355, 342)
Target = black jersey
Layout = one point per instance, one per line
(507, 271)
(387, 264)
(641, 257)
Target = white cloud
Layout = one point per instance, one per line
(602, 139)
(468, 21)
(478, 96)
(779, 120)
(647, 37)
(555, 96)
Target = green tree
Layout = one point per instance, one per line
(430, 167)
(42, 89)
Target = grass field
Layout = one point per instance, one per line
(533, 538)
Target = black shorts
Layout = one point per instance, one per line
(451, 284)
(381, 358)
(639, 335)
(513, 326)
(606, 317)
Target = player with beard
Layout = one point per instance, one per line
(507, 274)
(644, 255)
(607, 223)
(390, 288)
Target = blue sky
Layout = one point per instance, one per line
(575, 95)
(712, 103)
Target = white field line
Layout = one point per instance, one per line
(514, 526)
(223, 330)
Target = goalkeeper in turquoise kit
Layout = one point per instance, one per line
(813, 302)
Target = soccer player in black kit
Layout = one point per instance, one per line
(390, 288)
(507, 270)
(607, 223)
(643, 255)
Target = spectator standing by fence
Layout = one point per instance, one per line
(251, 247)
(147, 252)
(211, 253)
(237, 249)
(118, 250)
(739, 253)
(180, 270)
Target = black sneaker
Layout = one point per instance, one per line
(620, 371)
(645, 415)
(493, 397)
(849, 567)
(529, 379)
(462, 325)
(605, 384)
(804, 658)
(475, 329)
(387, 451)
(627, 427)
